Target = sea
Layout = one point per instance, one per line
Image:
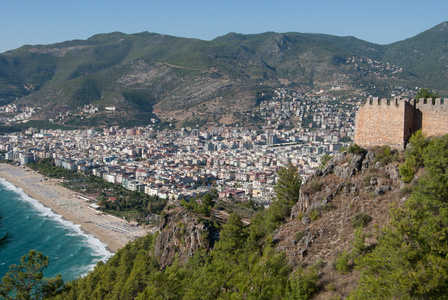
(72, 252)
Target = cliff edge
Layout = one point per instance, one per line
(353, 190)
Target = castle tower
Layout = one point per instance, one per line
(382, 122)
(433, 116)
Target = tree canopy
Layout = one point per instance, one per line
(410, 260)
(287, 191)
(287, 187)
(26, 280)
(426, 93)
(243, 264)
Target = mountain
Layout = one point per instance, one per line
(148, 75)
(425, 55)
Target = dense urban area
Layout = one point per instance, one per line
(182, 164)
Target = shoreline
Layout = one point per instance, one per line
(110, 230)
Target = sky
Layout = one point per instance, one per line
(44, 22)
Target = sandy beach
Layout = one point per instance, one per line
(112, 231)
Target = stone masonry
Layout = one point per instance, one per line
(381, 122)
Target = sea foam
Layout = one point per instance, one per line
(99, 248)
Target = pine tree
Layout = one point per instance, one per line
(410, 259)
(26, 280)
(287, 187)
(287, 191)
(425, 93)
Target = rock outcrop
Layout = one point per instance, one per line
(321, 225)
(349, 173)
(182, 233)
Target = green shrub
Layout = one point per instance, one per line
(324, 159)
(356, 149)
(182, 228)
(373, 170)
(368, 177)
(314, 187)
(386, 156)
(405, 191)
(299, 235)
(330, 286)
(342, 263)
(303, 284)
(359, 246)
(207, 199)
(361, 219)
(314, 215)
(204, 237)
(407, 170)
(204, 209)
(348, 184)
(329, 206)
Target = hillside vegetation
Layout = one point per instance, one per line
(369, 224)
(146, 73)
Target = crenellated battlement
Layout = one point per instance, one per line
(383, 101)
(382, 121)
(398, 100)
(437, 102)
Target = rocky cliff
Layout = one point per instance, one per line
(183, 232)
(350, 189)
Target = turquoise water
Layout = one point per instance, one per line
(72, 253)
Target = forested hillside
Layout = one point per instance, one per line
(244, 263)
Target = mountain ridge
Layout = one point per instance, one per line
(178, 75)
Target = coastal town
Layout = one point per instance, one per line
(186, 163)
(178, 151)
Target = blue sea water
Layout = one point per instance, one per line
(72, 252)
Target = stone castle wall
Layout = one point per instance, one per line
(382, 122)
(434, 115)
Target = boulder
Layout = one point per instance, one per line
(382, 189)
